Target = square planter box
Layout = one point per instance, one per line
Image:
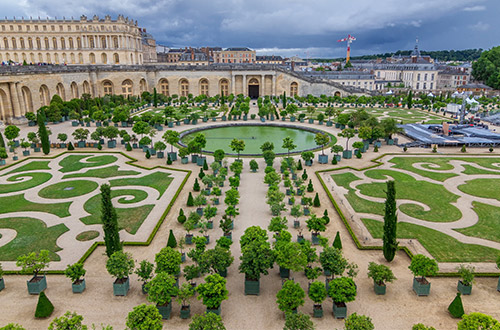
(81, 144)
(464, 289)
(317, 311)
(152, 151)
(292, 119)
(170, 124)
(135, 146)
(224, 118)
(165, 311)
(121, 289)
(300, 238)
(26, 153)
(172, 155)
(379, 289)
(2, 284)
(160, 154)
(421, 289)
(309, 162)
(338, 157)
(377, 144)
(215, 311)
(186, 121)
(185, 312)
(339, 310)
(252, 287)
(194, 121)
(75, 123)
(194, 158)
(189, 239)
(38, 286)
(315, 239)
(178, 123)
(111, 144)
(185, 160)
(307, 211)
(200, 161)
(144, 148)
(323, 159)
(390, 142)
(347, 154)
(79, 287)
(284, 272)
(310, 121)
(329, 123)
(37, 149)
(214, 118)
(262, 119)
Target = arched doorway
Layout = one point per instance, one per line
(253, 88)
(337, 94)
(4, 107)
(28, 101)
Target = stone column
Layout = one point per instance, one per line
(273, 85)
(14, 97)
(22, 105)
(262, 84)
(233, 83)
(244, 84)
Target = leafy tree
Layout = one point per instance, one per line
(409, 99)
(358, 322)
(317, 292)
(237, 146)
(288, 145)
(172, 138)
(390, 243)
(456, 307)
(75, 272)
(298, 321)
(423, 266)
(161, 289)
(290, 297)
(207, 321)
(267, 146)
(168, 260)
(145, 271)
(216, 260)
(80, 134)
(487, 67)
(342, 290)
(347, 133)
(256, 254)
(332, 260)
(12, 326)
(277, 224)
(109, 222)
(315, 224)
(33, 262)
(254, 166)
(380, 273)
(269, 157)
(120, 265)
(213, 291)
(420, 326)
(144, 317)
(480, 321)
(290, 255)
(69, 321)
(322, 140)
(44, 307)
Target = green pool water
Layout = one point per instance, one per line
(254, 137)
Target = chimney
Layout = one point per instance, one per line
(192, 54)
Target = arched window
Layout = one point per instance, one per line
(56, 58)
(74, 90)
(92, 58)
(115, 42)
(30, 43)
(32, 58)
(91, 42)
(28, 101)
(104, 58)
(143, 86)
(103, 42)
(48, 58)
(164, 87)
(24, 57)
(64, 58)
(184, 87)
(79, 42)
(71, 45)
(63, 43)
(127, 88)
(86, 87)
(60, 91)
(54, 43)
(80, 58)
(72, 58)
(204, 87)
(46, 41)
(16, 57)
(4, 106)
(116, 58)
(21, 42)
(294, 89)
(44, 95)
(14, 44)
(40, 57)
(38, 43)
(6, 43)
(107, 87)
(224, 87)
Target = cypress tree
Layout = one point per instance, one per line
(205, 165)
(44, 307)
(109, 222)
(190, 201)
(337, 243)
(2, 142)
(172, 242)
(299, 166)
(316, 202)
(410, 99)
(155, 98)
(456, 307)
(390, 222)
(70, 146)
(42, 132)
(196, 186)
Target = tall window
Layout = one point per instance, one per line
(224, 87)
(116, 58)
(44, 95)
(184, 84)
(92, 58)
(115, 42)
(91, 42)
(46, 41)
(63, 43)
(54, 43)
(104, 58)
(127, 88)
(164, 87)
(294, 89)
(71, 45)
(204, 87)
(107, 87)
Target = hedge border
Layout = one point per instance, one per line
(94, 246)
(348, 226)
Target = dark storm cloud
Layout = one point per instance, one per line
(292, 27)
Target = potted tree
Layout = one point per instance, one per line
(3, 156)
(183, 154)
(290, 297)
(333, 262)
(144, 316)
(322, 140)
(184, 295)
(315, 226)
(254, 166)
(342, 290)
(422, 266)
(464, 285)
(159, 147)
(75, 272)
(380, 274)
(347, 133)
(168, 261)
(216, 260)
(81, 135)
(35, 263)
(120, 265)
(33, 138)
(62, 137)
(317, 293)
(160, 291)
(213, 292)
(308, 156)
(145, 273)
(226, 224)
(25, 145)
(172, 138)
(2, 282)
(336, 149)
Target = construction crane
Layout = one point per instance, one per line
(349, 40)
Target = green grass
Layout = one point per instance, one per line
(129, 219)
(72, 162)
(31, 166)
(433, 195)
(359, 205)
(87, 235)
(406, 163)
(32, 235)
(18, 203)
(471, 170)
(488, 226)
(157, 180)
(37, 178)
(77, 188)
(441, 246)
(103, 173)
(486, 188)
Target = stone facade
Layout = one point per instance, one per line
(69, 41)
(27, 88)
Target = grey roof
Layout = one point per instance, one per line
(476, 85)
(268, 58)
(238, 49)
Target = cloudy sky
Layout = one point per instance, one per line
(293, 27)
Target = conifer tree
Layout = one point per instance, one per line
(205, 165)
(390, 223)
(42, 133)
(337, 243)
(326, 217)
(456, 307)
(190, 201)
(44, 307)
(299, 166)
(316, 202)
(155, 98)
(196, 186)
(2, 142)
(310, 187)
(109, 222)
(172, 242)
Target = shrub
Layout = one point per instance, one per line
(213, 291)
(316, 202)
(298, 321)
(169, 160)
(290, 296)
(375, 149)
(342, 290)
(463, 149)
(148, 155)
(196, 186)
(380, 273)
(337, 243)
(172, 242)
(207, 321)
(12, 326)
(168, 260)
(358, 322)
(423, 266)
(317, 292)
(434, 149)
(420, 326)
(310, 187)
(181, 218)
(205, 165)
(475, 321)
(70, 146)
(144, 317)
(44, 307)
(456, 307)
(467, 274)
(161, 288)
(99, 146)
(334, 161)
(405, 148)
(201, 175)
(69, 321)
(128, 147)
(75, 272)
(145, 271)
(254, 166)
(190, 201)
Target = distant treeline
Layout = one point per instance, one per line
(440, 55)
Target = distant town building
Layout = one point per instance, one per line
(236, 55)
(476, 89)
(269, 59)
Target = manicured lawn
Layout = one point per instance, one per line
(442, 247)
(73, 163)
(33, 165)
(37, 178)
(359, 205)
(486, 188)
(87, 235)
(68, 189)
(433, 195)
(406, 163)
(18, 203)
(157, 180)
(106, 172)
(129, 219)
(471, 170)
(488, 226)
(32, 235)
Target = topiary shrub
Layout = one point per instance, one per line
(169, 160)
(190, 201)
(205, 165)
(148, 155)
(310, 187)
(181, 218)
(456, 307)
(375, 149)
(172, 242)
(334, 161)
(201, 175)
(358, 322)
(44, 307)
(326, 217)
(70, 146)
(337, 243)
(196, 186)
(128, 147)
(434, 149)
(299, 166)
(316, 202)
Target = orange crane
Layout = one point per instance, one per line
(349, 40)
